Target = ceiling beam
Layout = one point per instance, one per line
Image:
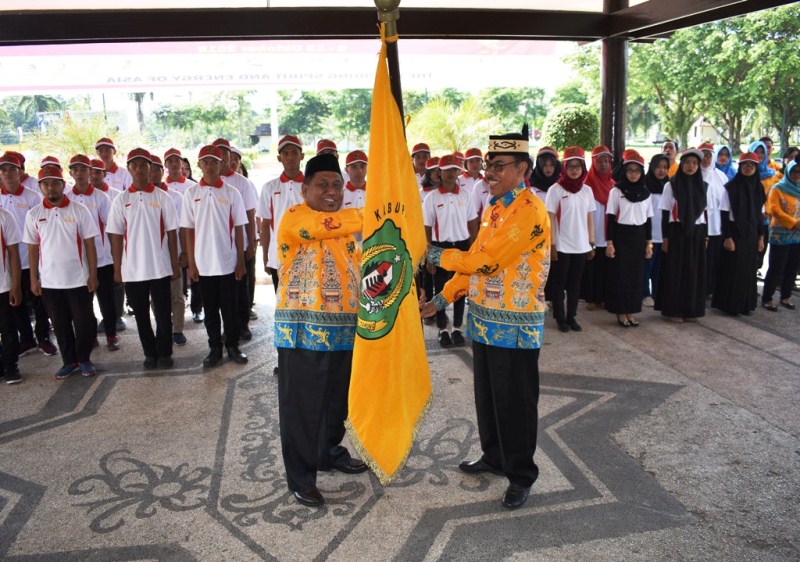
(108, 26)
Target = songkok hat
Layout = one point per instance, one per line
(448, 162)
(210, 151)
(80, 160)
(356, 156)
(138, 153)
(510, 144)
(51, 173)
(322, 163)
(105, 141)
(286, 140)
(420, 147)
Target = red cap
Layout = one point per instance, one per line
(98, 164)
(473, 153)
(601, 149)
(286, 140)
(749, 157)
(210, 151)
(156, 160)
(236, 150)
(449, 162)
(432, 163)
(105, 141)
(693, 152)
(51, 173)
(222, 143)
(9, 158)
(50, 161)
(19, 155)
(459, 155)
(547, 150)
(356, 156)
(326, 144)
(172, 152)
(574, 153)
(80, 160)
(706, 146)
(138, 153)
(420, 147)
(631, 155)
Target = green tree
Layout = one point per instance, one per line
(514, 106)
(571, 125)
(68, 136)
(350, 110)
(21, 111)
(138, 99)
(303, 113)
(585, 64)
(447, 128)
(571, 92)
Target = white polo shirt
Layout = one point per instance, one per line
(30, 182)
(177, 198)
(180, 185)
(214, 211)
(144, 218)
(118, 178)
(110, 191)
(466, 181)
(447, 214)
(571, 211)
(99, 205)
(247, 190)
(9, 235)
(634, 214)
(60, 233)
(354, 197)
(277, 196)
(480, 196)
(668, 203)
(18, 205)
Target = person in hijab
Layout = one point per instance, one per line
(788, 155)
(571, 206)
(716, 181)
(656, 178)
(724, 161)
(743, 237)
(768, 176)
(681, 293)
(629, 239)
(783, 207)
(546, 172)
(593, 284)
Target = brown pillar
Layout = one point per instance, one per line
(614, 87)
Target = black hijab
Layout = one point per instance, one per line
(541, 181)
(633, 192)
(655, 185)
(690, 194)
(747, 197)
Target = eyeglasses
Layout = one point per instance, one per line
(496, 167)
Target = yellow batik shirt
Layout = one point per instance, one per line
(317, 306)
(503, 273)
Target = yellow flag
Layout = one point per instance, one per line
(390, 386)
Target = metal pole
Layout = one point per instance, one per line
(389, 13)
(613, 86)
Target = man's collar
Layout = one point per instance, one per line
(351, 187)
(217, 185)
(298, 178)
(48, 205)
(149, 189)
(454, 191)
(509, 197)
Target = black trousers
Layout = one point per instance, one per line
(139, 294)
(507, 407)
(713, 252)
(243, 297)
(566, 272)
(441, 277)
(250, 265)
(313, 387)
(9, 341)
(196, 299)
(119, 299)
(275, 278)
(220, 298)
(106, 300)
(783, 262)
(70, 312)
(21, 315)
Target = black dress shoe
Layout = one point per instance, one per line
(213, 358)
(351, 466)
(515, 496)
(150, 363)
(236, 356)
(275, 372)
(165, 362)
(573, 325)
(563, 326)
(245, 333)
(478, 466)
(311, 498)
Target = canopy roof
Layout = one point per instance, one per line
(45, 21)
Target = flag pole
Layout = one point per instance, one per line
(389, 13)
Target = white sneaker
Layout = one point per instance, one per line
(648, 301)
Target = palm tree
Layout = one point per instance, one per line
(29, 106)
